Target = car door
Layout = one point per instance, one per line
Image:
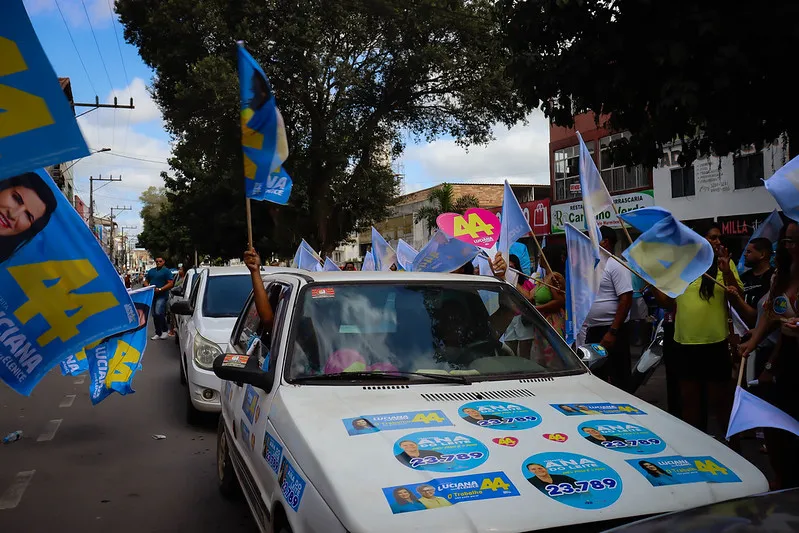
(189, 328)
(190, 290)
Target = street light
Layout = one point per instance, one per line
(78, 159)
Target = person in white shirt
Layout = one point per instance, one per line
(607, 321)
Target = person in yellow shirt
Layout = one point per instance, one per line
(702, 354)
(429, 498)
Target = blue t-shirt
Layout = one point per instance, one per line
(158, 278)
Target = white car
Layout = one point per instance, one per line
(217, 297)
(183, 292)
(377, 397)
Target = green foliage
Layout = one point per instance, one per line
(715, 74)
(443, 200)
(164, 234)
(352, 79)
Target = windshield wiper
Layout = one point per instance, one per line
(393, 375)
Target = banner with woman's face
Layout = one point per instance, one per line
(58, 290)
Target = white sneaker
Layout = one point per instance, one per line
(164, 336)
(155, 337)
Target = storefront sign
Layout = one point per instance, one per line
(536, 213)
(741, 225)
(572, 212)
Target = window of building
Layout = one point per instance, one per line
(748, 171)
(682, 182)
(616, 177)
(567, 172)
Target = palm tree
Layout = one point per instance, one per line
(442, 200)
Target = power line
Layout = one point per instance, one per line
(89, 78)
(97, 44)
(160, 162)
(125, 71)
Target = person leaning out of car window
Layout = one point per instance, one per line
(265, 313)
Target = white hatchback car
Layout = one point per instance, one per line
(376, 397)
(206, 320)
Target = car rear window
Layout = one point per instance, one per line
(225, 296)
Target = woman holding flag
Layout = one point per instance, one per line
(781, 311)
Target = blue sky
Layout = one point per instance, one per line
(521, 154)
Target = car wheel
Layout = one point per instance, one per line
(226, 476)
(182, 373)
(193, 416)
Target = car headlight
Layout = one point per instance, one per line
(205, 352)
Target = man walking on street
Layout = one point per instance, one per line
(607, 321)
(161, 278)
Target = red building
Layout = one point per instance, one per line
(81, 208)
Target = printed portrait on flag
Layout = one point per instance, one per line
(26, 206)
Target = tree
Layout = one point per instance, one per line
(352, 78)
(442, 200)
(714, 74)
(163, 234)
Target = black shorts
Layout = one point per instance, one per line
(703, 362)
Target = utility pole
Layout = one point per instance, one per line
(92, 179)
(113, 244)
(124, 246)
(98, 105)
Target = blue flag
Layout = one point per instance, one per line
(514, 225)
(384, 254)
(583, 276)
(263, 134)
(58, 290)
(749, 412)
(443, 254)
(483, 265)
(308, 248)
(405, 255)
(307, 260)
(368, 262)
(769, 229)
(595, 195)
(37, 124)
(114, 361)
(330, 266)
(784, 187)
(75, 365)
(668, 254)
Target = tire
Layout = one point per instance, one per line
(226, 476)
(182, 373)
(193, 416)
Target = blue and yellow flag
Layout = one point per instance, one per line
(514, 225)
(37, 124)
(58, 290)
(263, 134)
(384, 255)
(668, 254)
(114, 361)
(443, 254)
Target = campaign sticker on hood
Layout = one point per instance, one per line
(244, 432)
(250, 403)
(499, 415)
(621, 437)
(677, 470)
(445, 492)
(578, 409)
(272, 452)
(440, 451)
(572, 479)
(388, 421)
(291, 484)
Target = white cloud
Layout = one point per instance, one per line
(99, 11)
(520, 155)
(145, 109)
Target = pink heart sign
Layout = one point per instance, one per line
(476, 226)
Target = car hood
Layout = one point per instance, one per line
(217, 330)
(482, 472)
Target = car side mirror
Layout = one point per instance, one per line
(593, 355)
(182, 307)
(243, 369)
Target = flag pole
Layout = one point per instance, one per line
(541, 252)
(623, 227)
(249, 223)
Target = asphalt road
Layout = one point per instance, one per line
(87, 468)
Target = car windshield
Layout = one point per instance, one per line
(479, 330)
(225, 295)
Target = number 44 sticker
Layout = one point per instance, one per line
(714, 471)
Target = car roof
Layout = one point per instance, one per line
(343, 276)
(228, 270)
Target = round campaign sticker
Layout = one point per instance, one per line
(572, 479)
(499, 415)
(621, 437)
(440, 451)
(780, 305)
